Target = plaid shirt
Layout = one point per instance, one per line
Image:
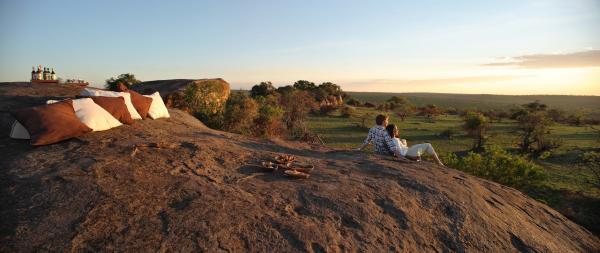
(382, 141)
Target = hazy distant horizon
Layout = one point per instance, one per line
(507, 47)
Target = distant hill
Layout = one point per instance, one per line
(487, 101)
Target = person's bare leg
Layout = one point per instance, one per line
(432, 152)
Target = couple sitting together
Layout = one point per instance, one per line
(387, 142)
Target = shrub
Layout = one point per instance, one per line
(327, 109)
(269, 121)
(577, 119)
(304, 85)
(430, 111)
(591, 160)
(369, 105)
(240, 112)
(286, 90)
(353, 102)
(533, 128)
(262, 89)
(404, 111)
(348, 111)
(448, 133)
(398, 100)
(475, 124)
(364, 120)
(297, 105)
(498, 165)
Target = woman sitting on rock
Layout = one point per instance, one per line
(415, 151)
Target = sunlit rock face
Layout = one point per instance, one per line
(204, 96)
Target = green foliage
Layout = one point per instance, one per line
(398, 100)
(240, 112)
(327, 89)
(498, 165)
(386, 106)
(430, 111)
(297, 104)
(557, 115)
(533, 127)
(325, 110)
(404, 110)
(286, 90)
(305, 85)
(591, 161)
(536, 106)
(475, 124)
(348, 111)
(448, 133)
(262, 89)
(353, 102)
(268, 123)
(127, 79)
(206, 100)
(576, 119)
(369, 105)
(330, 88)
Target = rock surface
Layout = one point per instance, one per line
(175, 185)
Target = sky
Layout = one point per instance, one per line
(490, 47)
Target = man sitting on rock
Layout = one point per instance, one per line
(383, 143)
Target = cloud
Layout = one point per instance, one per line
(583, 59)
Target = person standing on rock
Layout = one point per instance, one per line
(382, 142)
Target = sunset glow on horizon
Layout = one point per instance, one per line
(492, 47)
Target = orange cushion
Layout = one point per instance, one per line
(116, 107)
(51, 123)
(140, 102)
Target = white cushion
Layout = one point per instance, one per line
(158, 109)
(104, 93)
(92, 115)
(18, 131)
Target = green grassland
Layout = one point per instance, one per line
(567, 188)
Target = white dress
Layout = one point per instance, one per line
(413, 151)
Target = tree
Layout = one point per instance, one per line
(363, 120)
(284, 90)
(347, 111)
(240, 112)
(533, 127)
(353, 102)
(404, 110)
(330, 88)
(576, 119)
(557, 115)
(127, 79)
(385, 106)
(492, 115)
(326, 90)
(262, 89)
(297, 104)
(535, 106)
(304, 85)
(430, 111)
(269, 121)
(591, 161)
(398, 100)
(369, 105)
(475, 124)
